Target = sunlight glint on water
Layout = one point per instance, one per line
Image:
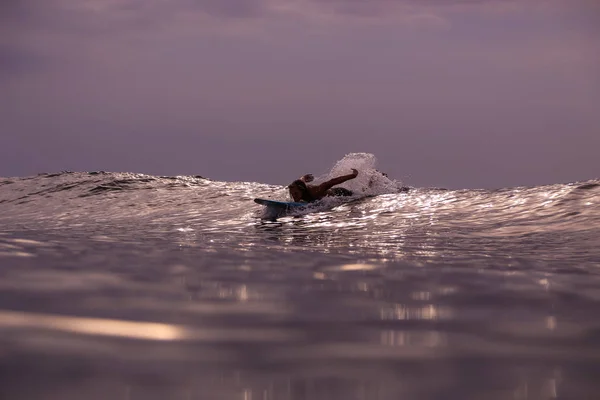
(116, 285)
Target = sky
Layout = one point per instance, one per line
(445, 93)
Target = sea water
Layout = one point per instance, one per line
(129, 286)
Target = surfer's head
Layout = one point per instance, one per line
(298, 190)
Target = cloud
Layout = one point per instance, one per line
(112, 17)
(101, 16)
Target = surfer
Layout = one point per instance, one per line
(300, 191)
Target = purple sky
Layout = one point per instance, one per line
(451, 93)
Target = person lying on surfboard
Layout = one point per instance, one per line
(300, 191)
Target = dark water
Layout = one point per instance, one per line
(125, 286)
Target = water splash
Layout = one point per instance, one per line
(369, 182)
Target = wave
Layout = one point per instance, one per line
(369, 182)
(72, 197)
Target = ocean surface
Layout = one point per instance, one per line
(129, 286)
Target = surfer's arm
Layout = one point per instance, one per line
(325, 186)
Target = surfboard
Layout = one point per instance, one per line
(275, 209)
(285, 205)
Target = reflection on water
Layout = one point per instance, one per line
(132, 329)
(427, 312)
(286, 325)
(91, 326)
(412, 339)
(174, 288)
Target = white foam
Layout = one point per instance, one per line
(369, 182)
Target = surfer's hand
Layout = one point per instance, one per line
(354, 172)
